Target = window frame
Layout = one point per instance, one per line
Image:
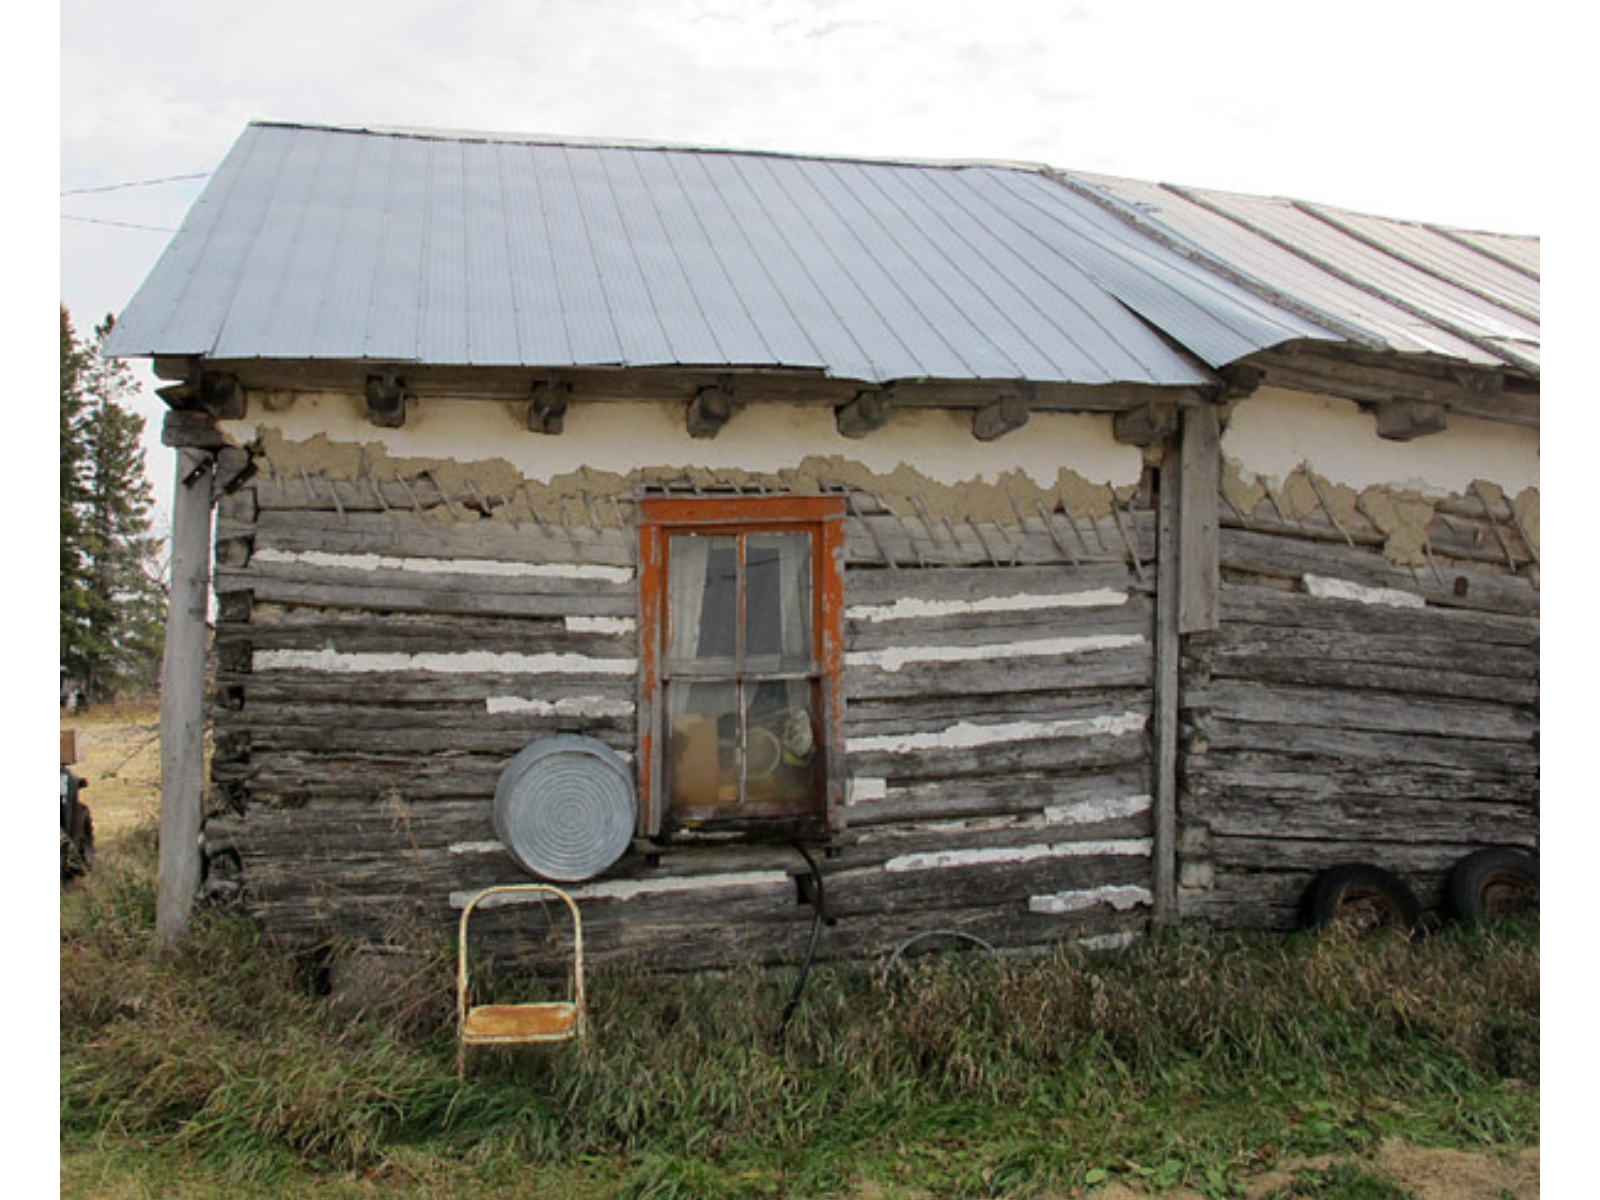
(660, 519)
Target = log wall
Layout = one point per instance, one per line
(1350, 708)
(384, 647)
(382, 652)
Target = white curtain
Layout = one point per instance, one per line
(687, 561)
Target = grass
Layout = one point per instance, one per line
(1195, 1060)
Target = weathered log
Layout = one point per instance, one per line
(1267, 607)
(877, 588)
(1042, 754)
(1122, 666)
(380, 592)
(1356, 747)
(1461, 587)
(1350, 817)
(1261, 778)
(354, 632)
(986, 628)
(907, 802)
(1333, 709)
(919, 714)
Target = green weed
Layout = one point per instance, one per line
(1193, 1058)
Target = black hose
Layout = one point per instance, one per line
(811, 947)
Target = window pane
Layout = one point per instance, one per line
(703, 757)
(782, 759)
(778, 602)
(702, 602)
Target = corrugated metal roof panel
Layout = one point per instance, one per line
(1429, 251)
(483, 250)
(1331, 249)
(1520, 252)
(1212, 317)
(343, 244)
(1403, 286)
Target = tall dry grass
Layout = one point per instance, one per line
(1213, 1042)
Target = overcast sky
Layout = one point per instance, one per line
(1420, 110)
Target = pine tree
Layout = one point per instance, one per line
(74, 501)
(111, 600)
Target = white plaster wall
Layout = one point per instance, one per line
(622, 437)
(1273, 432)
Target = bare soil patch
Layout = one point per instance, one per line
(1427, 1174)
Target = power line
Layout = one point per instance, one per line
(119, 224)
(117, 187)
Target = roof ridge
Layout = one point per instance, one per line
(422, 133)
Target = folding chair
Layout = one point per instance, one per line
(511, 1024)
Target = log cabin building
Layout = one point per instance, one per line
(1026, 554)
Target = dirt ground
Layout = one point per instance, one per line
(118, 754)
(1425, 1174)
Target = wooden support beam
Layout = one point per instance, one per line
(183, 677)
(710, 409)
(867, 412)
(547, 407)
(1239, 381)
(1145, 425)
(1167, 683)
(220, 395)
(1403, 420)
(185, 427)
(1199, 570)
(386, 400)
(1000, 418)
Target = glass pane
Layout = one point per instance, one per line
(703, 744)
(702, 603)
(781, 752)
(777, 602)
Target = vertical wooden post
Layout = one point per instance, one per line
(1188, 596)
(1198, 550)
(1165, 833)
(183, 697)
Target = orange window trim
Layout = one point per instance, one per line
(659, 518)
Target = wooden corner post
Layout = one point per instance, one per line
(1188, 581)
(1199, 557)
(183, 673)
(1165, 840)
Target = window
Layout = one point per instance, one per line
(741, 697)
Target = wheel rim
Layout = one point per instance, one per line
(1363, 910)
(1503, 892)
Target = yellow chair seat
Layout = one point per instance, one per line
(508, 1024)
(491, 1023)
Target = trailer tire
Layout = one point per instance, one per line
(77, 845)
(1360, 898)
(1492, 883)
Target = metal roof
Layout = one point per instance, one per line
(1401, 286)
(460, 249)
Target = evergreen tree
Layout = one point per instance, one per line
(112, 600)
(74, 501)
